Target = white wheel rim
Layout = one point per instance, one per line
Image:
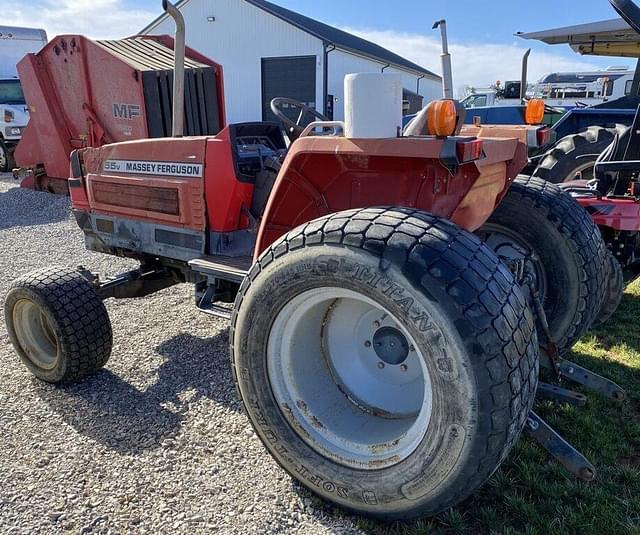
(35, 334)
(349, 378)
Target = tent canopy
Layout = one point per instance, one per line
(612, 37)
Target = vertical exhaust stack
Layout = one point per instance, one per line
(178, 69)
(447, 76)
(523, 79)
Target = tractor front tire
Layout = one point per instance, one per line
(550, 241)
(58, 325)
(574, 156)
(613, 292)
(386, 358)
(5, 157)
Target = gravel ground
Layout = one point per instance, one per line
(155, 443)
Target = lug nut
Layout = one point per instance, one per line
(380, 365)
(376, 324)
(411, 348)
(404, 368)
(367, 344)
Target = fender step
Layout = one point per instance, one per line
(232, 269)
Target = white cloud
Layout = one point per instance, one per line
(474, 64)
(98, 19)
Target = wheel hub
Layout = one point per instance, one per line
(390, 345)
(517, 255)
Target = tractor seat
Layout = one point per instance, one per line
(605, 181)
(265, 179)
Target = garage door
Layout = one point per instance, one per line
(288, 77)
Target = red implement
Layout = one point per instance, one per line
(85, 93)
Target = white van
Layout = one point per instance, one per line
(15, 43)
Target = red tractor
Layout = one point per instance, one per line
(611, 193)
(392, 297)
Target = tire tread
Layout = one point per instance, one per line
(87, 337)
(497, 321)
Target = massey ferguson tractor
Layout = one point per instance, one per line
(392, 295)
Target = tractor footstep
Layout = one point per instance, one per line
(560, 395)
(559, 448)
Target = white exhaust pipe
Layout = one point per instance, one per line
(178, 68)
(523, 79)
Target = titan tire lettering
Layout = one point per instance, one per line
(405, 303)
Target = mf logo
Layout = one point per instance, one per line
(126, 111)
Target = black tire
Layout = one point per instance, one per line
(613, 292)
(5, 157)
(483, 361)
(568, 253)
(575, 155)
(71, 338)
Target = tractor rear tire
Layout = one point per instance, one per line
(574, 156)
(613, 292)
(386, 358)
(58, 324)
(544, 235)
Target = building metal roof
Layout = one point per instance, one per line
(329, 35)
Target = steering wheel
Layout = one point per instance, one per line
(294, 128)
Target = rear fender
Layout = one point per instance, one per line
(619, 214)
(324, 175)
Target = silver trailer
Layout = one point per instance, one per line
(15, 43)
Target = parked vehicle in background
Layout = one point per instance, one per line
(506, 105)
(602, 104)
(580, 89)
(584, 133)
(15, 43)
(494, 96)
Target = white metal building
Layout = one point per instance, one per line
(268, 51)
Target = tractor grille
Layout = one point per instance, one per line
(155, 61)
(150, 199)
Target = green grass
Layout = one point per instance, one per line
(531, 493)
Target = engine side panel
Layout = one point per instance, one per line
(157, 181)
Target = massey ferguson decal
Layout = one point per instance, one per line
(126, 111)
(140, 167)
